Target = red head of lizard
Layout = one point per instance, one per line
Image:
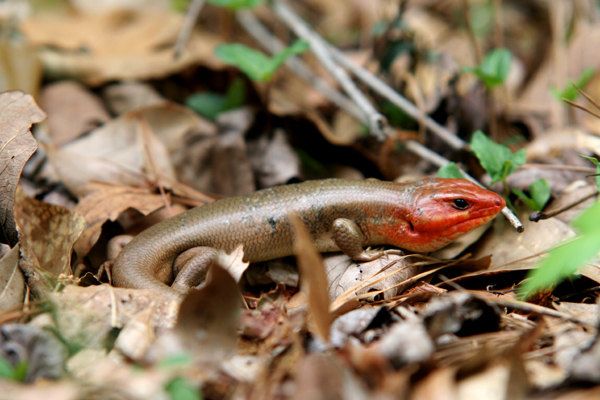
(441, 210)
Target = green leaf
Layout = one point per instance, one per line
(235, 5)
(450, 170)
(494, 68)
(495, 158)
(6, 370)
(255, 64)
(569, 92)
(17, 373)
(565, 260)
(597, 164)
(181, 389)
(175, 361)
(210, 104)
(540, 193)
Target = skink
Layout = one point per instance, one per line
(344, 215)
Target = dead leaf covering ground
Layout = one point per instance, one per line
(123, 143)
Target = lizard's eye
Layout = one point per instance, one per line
(460, 204)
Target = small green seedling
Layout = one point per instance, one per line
(235, 5)
(17, 373)
(180, 389)
(210, 104)
(570, 92)
(450, 170)
(494, 68)
(540, 194)
(255, 64)
(597, 164)
(565, 260)
(496, 159)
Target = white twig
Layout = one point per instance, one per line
(186, 28)
(270, 42)
(386, 91)
(376, 121)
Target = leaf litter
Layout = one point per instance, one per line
(122, 146)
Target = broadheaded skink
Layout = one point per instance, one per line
(340, 214)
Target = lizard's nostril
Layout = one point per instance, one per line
(499, 201)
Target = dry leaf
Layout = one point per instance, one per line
(439, 384)
(107, 202)
(72, 110)
(137, 335)
(314, 279)
(274, 160)
(512, 250)
(46, 235)
(121, 45)
(126, 96)
(208, 320)
(345, 274)
(233, 262)
(12, 282)
(18, 112)
(232, 169)
(20, 68)
(118, 151)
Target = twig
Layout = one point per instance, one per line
(376, 121)
(440, 161)
(188, 25)
(538, 215)
(560, 167)
(270, 42)
(384, 90)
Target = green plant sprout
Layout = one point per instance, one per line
(494, 68)
(497, 160)
(210, 104)
(540, 194)
(450, 170)
(570, 92)
(235, 5)
(597, 164)
(180, 389)
(17, 373)
(255, 64)
(565, 260)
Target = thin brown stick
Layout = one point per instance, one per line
(539, 215)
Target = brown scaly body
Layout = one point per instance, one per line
(340, 214)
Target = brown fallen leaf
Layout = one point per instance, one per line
(274, 160)
(20, 67)
(136, 145)
(107, 202)
(232, 169)
(344, 274)
(72, 110)
(18, 112)
(121, 45)
(314, 279)
(233, 263)
(207, 322)
(123, 97)
(46, 235)
(12, 282)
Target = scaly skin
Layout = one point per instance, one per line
(418, 216)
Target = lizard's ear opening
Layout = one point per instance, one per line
(412, 228)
